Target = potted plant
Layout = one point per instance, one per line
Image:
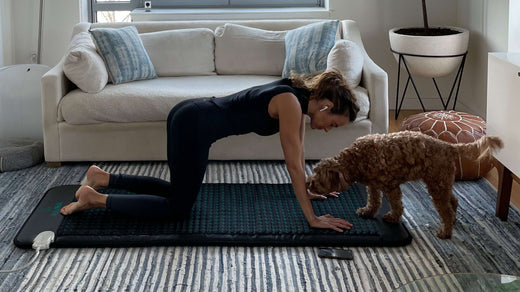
(416, 43)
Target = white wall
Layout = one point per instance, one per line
(59, 18)
(24, 22)
(19, 23)
(514, 26)
(488, 22)
(6, 44)
(2, 9)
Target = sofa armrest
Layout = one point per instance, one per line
(55, 85)
(374, 79)
(80, 27)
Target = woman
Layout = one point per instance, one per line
(193, 125)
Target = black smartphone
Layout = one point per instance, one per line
(336, 253)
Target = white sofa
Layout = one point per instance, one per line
(80, 126)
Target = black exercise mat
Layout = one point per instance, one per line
(224, 214)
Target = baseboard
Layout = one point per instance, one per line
(433, 104)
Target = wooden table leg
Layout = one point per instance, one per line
(505, 180)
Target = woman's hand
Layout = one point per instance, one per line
(327, 221)
(314, 196)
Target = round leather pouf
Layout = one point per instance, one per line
(454, 127)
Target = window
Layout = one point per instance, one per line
(119, 10)
(233, 3)
(112, 10)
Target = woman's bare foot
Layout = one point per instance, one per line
(96, 178)
(87, 198)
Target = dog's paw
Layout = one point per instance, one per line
(443, 234)
(366, 212)
(391, 218)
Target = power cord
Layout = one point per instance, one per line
(41, 242)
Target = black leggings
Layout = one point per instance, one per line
(192, 126)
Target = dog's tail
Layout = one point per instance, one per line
(481, 148)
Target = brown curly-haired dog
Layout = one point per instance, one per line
(384, 161)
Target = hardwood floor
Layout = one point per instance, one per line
(492, 176)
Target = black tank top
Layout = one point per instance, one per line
(248, 111)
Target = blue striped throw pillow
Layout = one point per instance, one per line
(125, 57)
(307, 47)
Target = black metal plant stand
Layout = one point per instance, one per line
(458, 79)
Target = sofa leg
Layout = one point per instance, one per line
(53, 164)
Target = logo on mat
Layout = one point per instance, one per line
(53, 210)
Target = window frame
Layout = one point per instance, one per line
(235, 3)
(94, 6)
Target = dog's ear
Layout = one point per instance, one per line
(338, 180)
(333, 177)
(344, 181)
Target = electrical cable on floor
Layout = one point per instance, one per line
(41, 242)
(22, 267)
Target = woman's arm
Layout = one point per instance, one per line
(302, 140)
(287, 109)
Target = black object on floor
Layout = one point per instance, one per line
(224, 214)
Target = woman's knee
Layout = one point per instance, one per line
(182, 112)
(175, 109)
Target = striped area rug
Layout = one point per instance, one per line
(481, 243)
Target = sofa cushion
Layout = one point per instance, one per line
(151, 100)
(84, 66)
(307, 47)
(181, 52)
(263, 51)
(362, 101)
(125, 57)
(346, 56)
